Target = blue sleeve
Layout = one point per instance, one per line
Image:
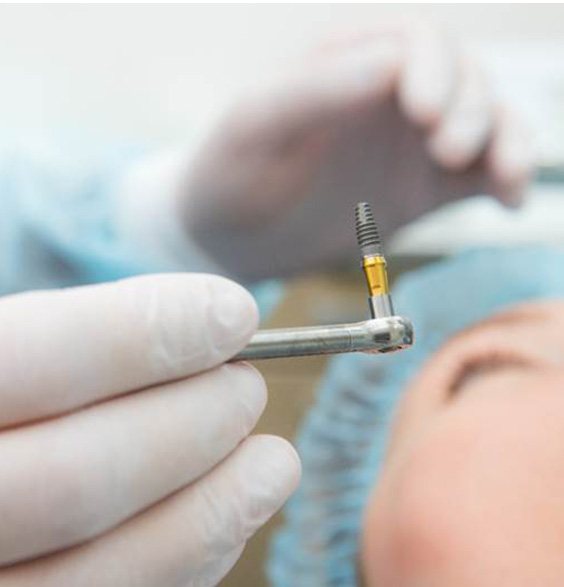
(56, 217)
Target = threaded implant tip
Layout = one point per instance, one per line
(366, 231)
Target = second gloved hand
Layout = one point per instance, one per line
(125, 454)
(395, 116)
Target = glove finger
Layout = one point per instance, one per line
(192, 538)
(65, 349)
(85, 473)
(429, 73)
(463, 133)
(511, 158)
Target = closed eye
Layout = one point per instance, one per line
(486, 364)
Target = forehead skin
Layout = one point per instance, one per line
(476, 499)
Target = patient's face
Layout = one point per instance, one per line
(472, 493)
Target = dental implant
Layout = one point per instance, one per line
(373, 262)
(383, 333)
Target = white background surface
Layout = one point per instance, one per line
(158, 71)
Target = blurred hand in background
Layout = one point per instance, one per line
(397, 116)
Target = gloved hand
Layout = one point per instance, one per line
(125, 456)
(396, 116)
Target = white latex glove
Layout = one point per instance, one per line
(125, 456)
(396, 116)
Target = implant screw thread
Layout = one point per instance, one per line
(367, 233)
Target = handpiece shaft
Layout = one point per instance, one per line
(379, 335)
(384, 333)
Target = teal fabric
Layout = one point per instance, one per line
(57, 217)
(343, 438)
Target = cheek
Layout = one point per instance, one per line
(478, 501)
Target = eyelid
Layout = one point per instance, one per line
(487, 363)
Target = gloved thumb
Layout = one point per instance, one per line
(194, 322)
(116, 338)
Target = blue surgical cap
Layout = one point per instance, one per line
(343, 438)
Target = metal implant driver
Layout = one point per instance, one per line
(373, 262)
(383, 333)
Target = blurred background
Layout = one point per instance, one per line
(160, 74)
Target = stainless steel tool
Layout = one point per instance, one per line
(383, 333)
(379, 335)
